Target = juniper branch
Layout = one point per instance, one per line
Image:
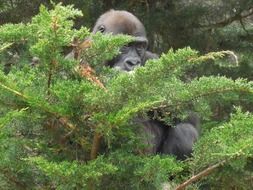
(62, 119)
(210, 169)
(197, 96)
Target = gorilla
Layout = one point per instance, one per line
(157, 136)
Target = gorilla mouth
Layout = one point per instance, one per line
(123, 67)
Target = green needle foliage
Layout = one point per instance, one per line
(56, 116)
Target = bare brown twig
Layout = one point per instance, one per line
(202, 174)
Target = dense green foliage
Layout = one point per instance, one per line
(51, 114)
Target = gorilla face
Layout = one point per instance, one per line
(133, 54)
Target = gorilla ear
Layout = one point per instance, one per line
(101, 28)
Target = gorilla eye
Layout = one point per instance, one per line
(124, 48)
(101, 28)
(140, 48)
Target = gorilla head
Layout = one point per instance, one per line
(133, 54)
(119, 22)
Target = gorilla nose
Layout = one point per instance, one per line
(133, 62)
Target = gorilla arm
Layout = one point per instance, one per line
(179, 140)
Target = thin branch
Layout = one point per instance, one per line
(53, 63)
(95, 145)
(202, 174)
(5, 46)
(50, 74)
(243, 27)
(19, 94)
(229, 20)
(147, 6)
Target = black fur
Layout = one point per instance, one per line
(179, 140)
